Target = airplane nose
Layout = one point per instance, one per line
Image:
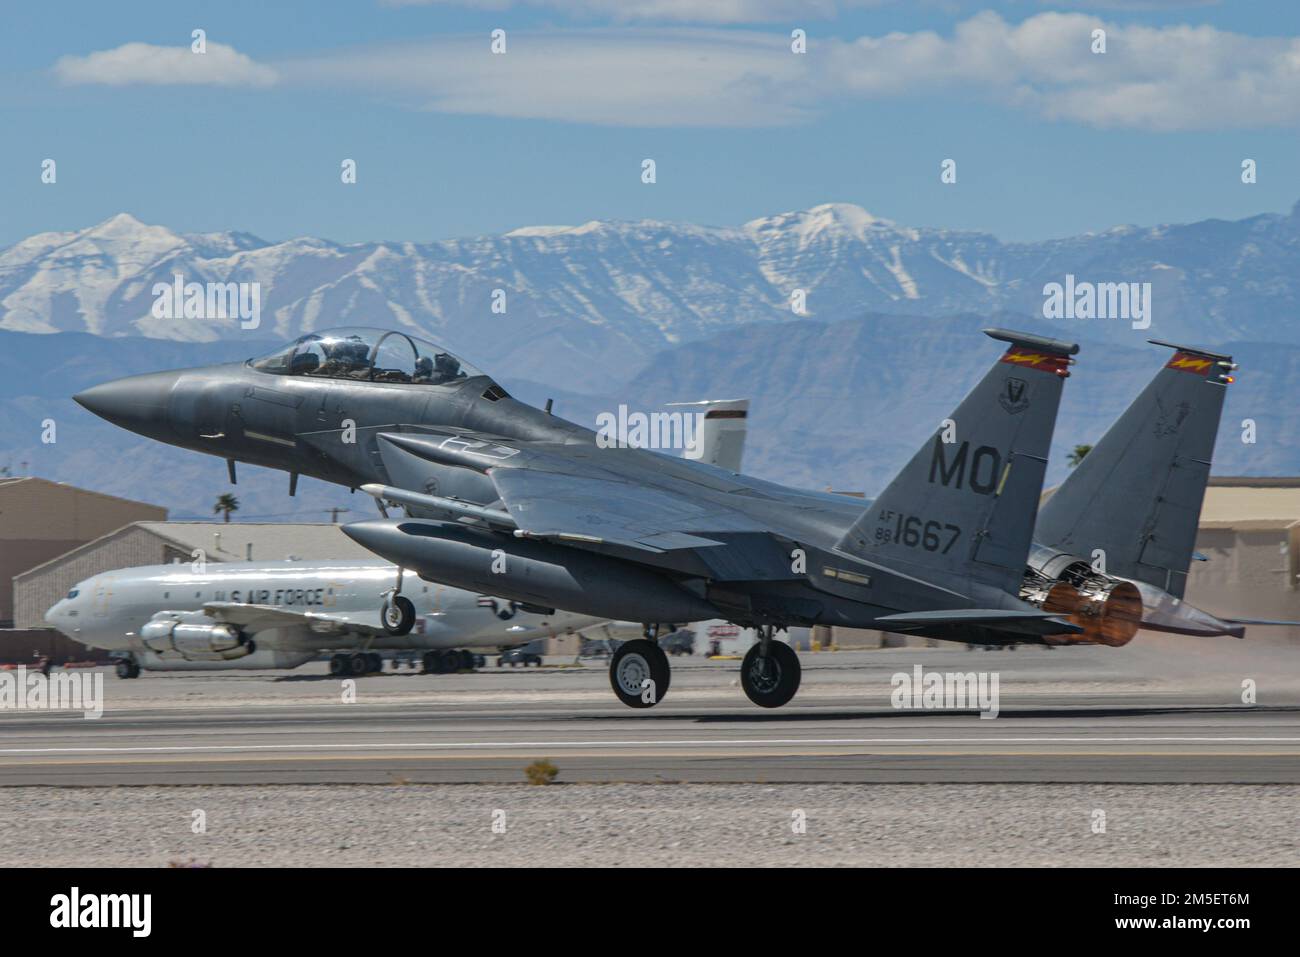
(137, 403)
(55, 615)
(378, 535)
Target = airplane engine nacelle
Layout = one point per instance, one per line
(195, 641)
(1108, 609)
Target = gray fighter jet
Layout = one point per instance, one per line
(508, 500)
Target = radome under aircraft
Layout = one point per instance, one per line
(509, 500)
(255, 615)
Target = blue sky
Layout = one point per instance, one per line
(1049, 138)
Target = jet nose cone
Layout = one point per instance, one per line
(378, 535)
(138, 402)
(56, 614)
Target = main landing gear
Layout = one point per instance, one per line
(356, 664)
(397, 614)
(639, 672)
(770, 672)
(449, 662)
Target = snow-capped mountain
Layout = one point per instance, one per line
(589, 304)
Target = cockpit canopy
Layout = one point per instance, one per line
(372, 355)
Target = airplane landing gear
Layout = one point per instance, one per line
(634, 664)
(770, 672)
(398, 614)
(356, 664)
(127, 668)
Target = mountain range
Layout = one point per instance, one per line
(647, 313)
(591, 304)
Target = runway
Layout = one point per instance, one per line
(1097, 715)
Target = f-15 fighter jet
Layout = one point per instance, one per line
(509, 500)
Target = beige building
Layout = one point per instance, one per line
(161, 543)
(1250, 536)
(40, 519)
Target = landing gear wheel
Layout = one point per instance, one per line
(770, 680)
(376, 662)
(466, 661)
(431, 660)
(398, 615)
(127, 669)
(339, 665)
(357, 664)
(632, 664)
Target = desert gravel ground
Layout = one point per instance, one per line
(674, 825)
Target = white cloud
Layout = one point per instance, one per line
(1160, 78)
(1151, 78)
(147, 64)
(678, 77)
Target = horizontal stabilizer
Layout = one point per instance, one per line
(1033, 622)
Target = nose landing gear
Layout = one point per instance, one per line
(127, 668)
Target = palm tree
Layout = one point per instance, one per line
(1077, 456)
(226, 503)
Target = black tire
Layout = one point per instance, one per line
(376, 662)
(430, 662)
(770, 681)
(398, 616)
(357, 664)
(635, 661)
(123, 668)
(467, 661)
(338, 665)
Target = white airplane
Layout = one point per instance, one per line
(260, 615)
(257, 615)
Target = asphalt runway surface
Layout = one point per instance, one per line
(1158, 711)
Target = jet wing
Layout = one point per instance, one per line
(573, 507)
(628, 497)
(255, 618)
